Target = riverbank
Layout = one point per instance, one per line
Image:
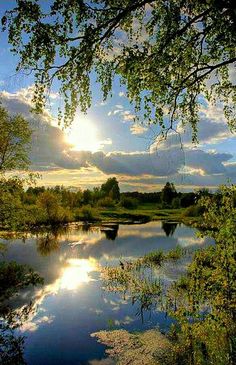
(144, 213)
(116, 215)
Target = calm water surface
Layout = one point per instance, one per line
(72, 304)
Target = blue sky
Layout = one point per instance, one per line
(106, 142)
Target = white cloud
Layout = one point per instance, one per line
(52, 152)
(33, 325)
(138, 129)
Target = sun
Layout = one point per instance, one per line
(82, 135)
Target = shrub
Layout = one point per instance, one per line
(194, 211)
(176, 203)
(128, 203)
(86, 213)
(51, 211)
(154, 258)
(106, 202)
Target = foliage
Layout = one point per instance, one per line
(111, 188)
(194, 211)
(202, 302)
(143, 197)
(13, 278)
(128, 203)
(12, 212)
(106, 202)
(187, 199)
(165, 52)
(176, 203)
(15, 140)
(86, 213)
(168, 193)
(53, 211)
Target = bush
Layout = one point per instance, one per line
(176, 203)
(86, 213)
(106, 202)
(128, 203)
(50, 211)
(194, 211)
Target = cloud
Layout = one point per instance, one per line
(52, 153)
(138, 129)
(163, 163)
(33, 325)
(212, 127)
(125, 115)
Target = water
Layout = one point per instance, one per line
(72, 304)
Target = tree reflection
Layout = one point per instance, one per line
(13, 278)
(48, 241)
(169, 228)
(111, 231)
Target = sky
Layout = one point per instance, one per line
(106, 142)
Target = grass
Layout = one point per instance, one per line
(143, 213)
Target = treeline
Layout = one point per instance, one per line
(168, 197)
(109, 195)
(39, 205)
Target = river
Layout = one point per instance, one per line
(72, 303)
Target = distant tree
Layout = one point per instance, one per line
(15, 138)
(176, 202)
(115, 192)
(111, 188)
(201, 193)
(168, 193)
(187, 199)
(97, 194)
(128, 202)
(87, 196)
(169, 49)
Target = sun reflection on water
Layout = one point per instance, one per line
(76, 272)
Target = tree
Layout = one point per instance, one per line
(111, 188)
(87, 196)
(165, 52)
(168, 193)
(50, 204)
(15, 140)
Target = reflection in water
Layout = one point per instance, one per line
(13, 278)
(169, 228)
(76, 273)
(47, 243)
(71, 305)
(110, 231)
